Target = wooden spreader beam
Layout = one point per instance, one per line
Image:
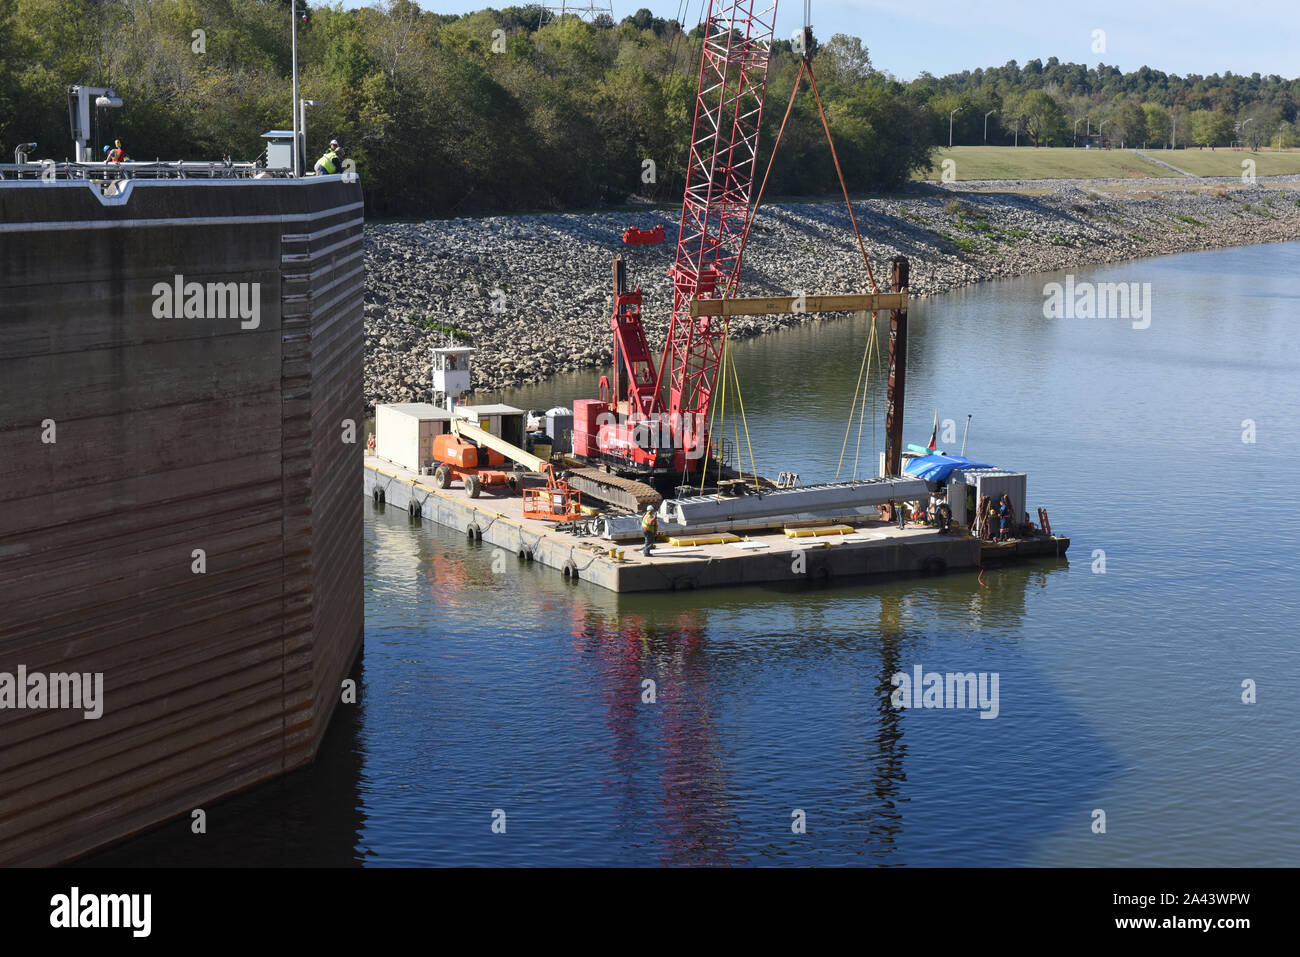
(757, 306)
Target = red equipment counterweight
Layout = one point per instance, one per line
(644, 237)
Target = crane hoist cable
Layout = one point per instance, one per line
(670, 66)
(862, 369)
(735, 419)
(812, 81)
(872, 347)
(873, 344)
(753, 212)
(862, 417)
(805, 66)
(683, 12)
(719, 408)
(740, 401)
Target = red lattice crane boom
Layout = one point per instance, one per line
(720, 171)
(719, 187)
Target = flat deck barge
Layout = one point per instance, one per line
(870, 548)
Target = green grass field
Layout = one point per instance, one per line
(1049, 162)
(1057, 162)
(1228, 162)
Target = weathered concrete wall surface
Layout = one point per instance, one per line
(129, 441)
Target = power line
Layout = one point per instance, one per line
(588, 10)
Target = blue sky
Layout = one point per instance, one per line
(908, 36)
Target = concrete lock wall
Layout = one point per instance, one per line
(177, 498)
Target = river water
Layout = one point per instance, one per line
(506, 695)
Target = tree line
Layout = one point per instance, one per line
(1060, 104)
(516, 109)
(497, 110)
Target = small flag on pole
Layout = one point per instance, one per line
(934, 436)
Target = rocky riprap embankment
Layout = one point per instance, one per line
(554, 271)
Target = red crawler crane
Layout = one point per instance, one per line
(659, 414)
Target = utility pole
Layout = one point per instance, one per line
(297, 147)
(986, 126)
(1101, 131)
(1017, 131)
(1076, 131)
(1173, 137)
(950, 126)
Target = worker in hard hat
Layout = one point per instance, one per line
(329, 164)
(1006, 518)
(942, 513)
(116, 154)
(650, 529)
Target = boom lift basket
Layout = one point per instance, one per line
(554, 503)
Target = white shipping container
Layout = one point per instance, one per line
(404, 433)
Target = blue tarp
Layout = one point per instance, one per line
(937, 468)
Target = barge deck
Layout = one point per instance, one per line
(870, 548)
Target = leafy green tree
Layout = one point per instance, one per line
(1211, 128)
(1258, 123)
(1128, 124)
(844, 60)
(1180, 126)
(517, 109)
(1157, 124)
(1044, 118)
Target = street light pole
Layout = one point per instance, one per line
(293, 24)
(986, 126)
(950, 115)
(302, 123)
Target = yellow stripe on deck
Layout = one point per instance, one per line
(722, 538)
(818, 530)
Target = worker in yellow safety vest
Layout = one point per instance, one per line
(328, 164)
(649, 528)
